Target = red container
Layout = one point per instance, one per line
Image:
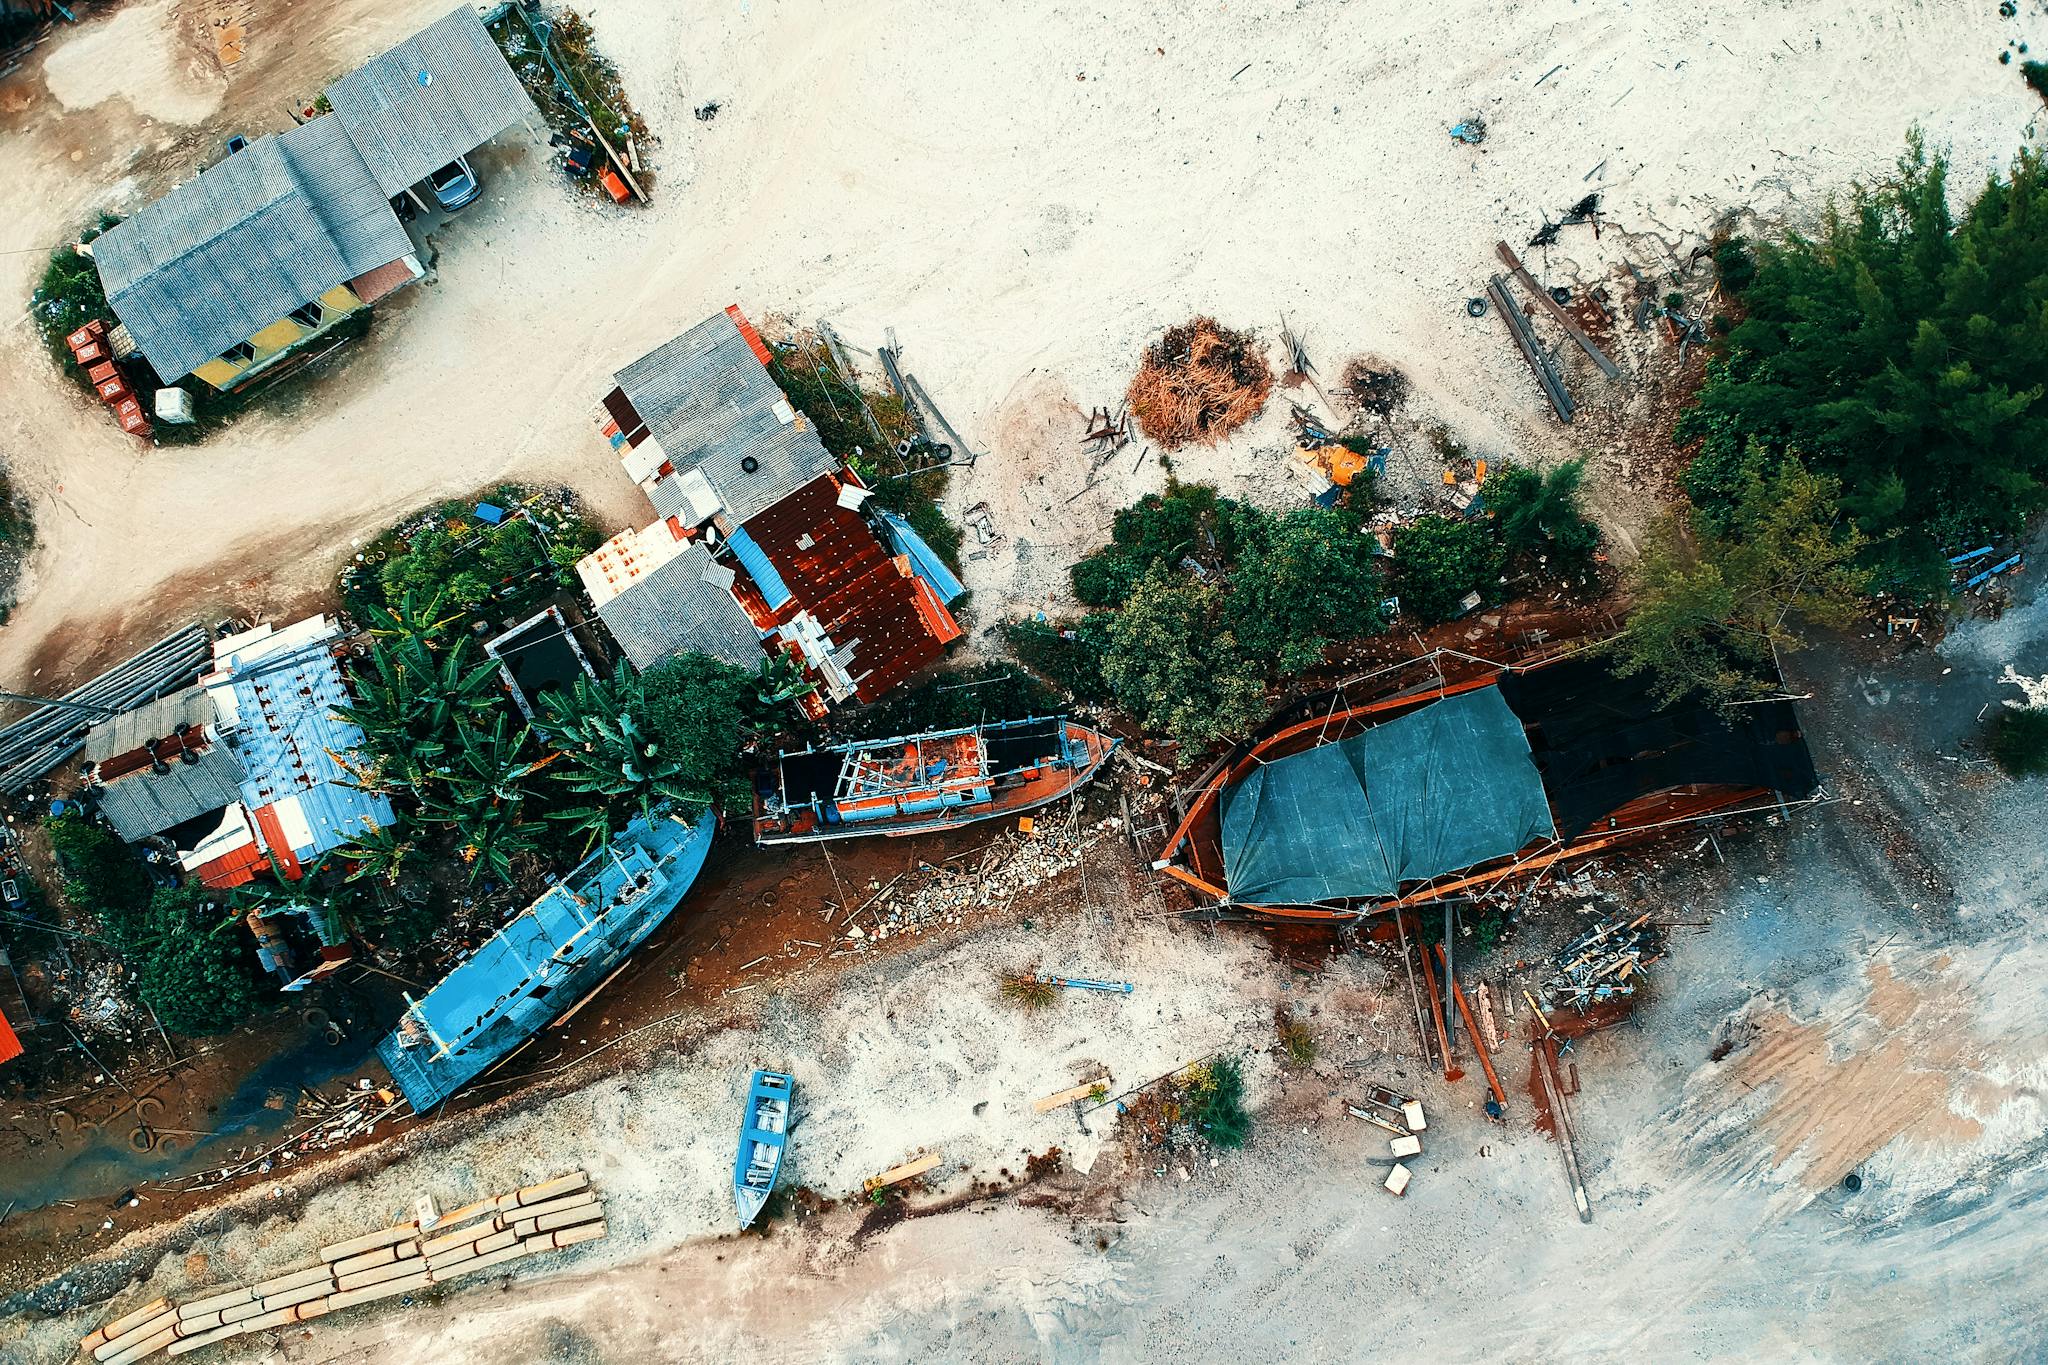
(90, 354)
(113, 390)
(102, 372)
(92, 331)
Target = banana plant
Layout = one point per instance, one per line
(380, 852)
(609, 752)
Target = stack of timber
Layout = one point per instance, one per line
(402, 1259)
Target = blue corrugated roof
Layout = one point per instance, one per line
(923, 558)
(759, 568)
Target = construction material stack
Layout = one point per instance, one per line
(90, 348)
(392, 1261)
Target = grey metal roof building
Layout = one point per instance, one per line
(131, 730)
(683, 605)
(710, 405)
(225, 255)
(438, 95)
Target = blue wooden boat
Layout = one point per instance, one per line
(764, 1128)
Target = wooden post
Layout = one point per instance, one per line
(1451, 1072)
(1551, 306)
(1479, 1047)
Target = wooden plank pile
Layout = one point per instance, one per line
(401, 1259)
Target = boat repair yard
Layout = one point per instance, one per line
(1814, 1128)
(1835, 1002)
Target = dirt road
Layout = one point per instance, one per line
(1027, 197)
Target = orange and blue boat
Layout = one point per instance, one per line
(916, 784)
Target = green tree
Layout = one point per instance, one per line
(704, 713)
(2019, 740)
(1538, 514)
(1301, 581)
(193, 962)
(1174, 664)
(1903, 351)
(1711, 609)
(611, 753)
(1438, 561)
(1188, 520)
(101, 874)
(414, 694)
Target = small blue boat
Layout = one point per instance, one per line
(763, 1130)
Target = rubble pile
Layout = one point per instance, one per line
(934, 894)
(1602, 964)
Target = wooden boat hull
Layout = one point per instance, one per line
(1017, 800)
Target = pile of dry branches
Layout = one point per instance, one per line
(1199, 382)
(1377, 388)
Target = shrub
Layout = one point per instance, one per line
(193, 962)
(1538, 514)
(1069, 656)
(2035, 74)
(2019, 741)
(1734, 265)
(1027, 992)
(102, 875)
(1212, 1100)
(1438, 561)
(1296, 1038)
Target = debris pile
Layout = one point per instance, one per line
(335, 1122)
(934, 894)
(1199, 382)
(1602, 964)
(1374, 390)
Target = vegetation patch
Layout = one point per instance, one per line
(1028, 992)
(1718, 591)
(451, 553)
(1209, 1097)
(1213, 599)
(2019, 741)
(1899, 353)
(1198, 383)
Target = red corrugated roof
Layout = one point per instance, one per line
(10, 1046)
(280, 847)
(836, 569)
(754, 342)
(231, 869)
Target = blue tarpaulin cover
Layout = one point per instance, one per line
(923, 558)
(1439, 789)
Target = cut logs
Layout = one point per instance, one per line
(388, 1263)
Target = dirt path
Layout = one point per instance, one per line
(974, 182)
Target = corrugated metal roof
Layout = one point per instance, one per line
(438, 95)
(223, 256)
(152, 720)
(145, 802)
(850, 585)
(675, 608)
(710, 405)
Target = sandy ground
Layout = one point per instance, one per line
(1028, 197)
